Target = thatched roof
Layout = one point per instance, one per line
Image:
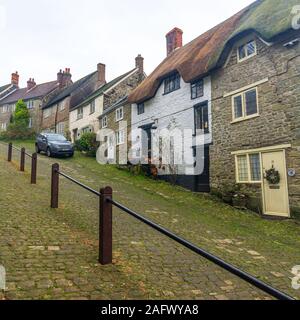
(197, 58)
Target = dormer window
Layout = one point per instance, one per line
(247, 50)
(172, 83)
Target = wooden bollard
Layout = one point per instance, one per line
(54, 186)
(33, 168)
(22, 160)
(9, 152)
(105, 226)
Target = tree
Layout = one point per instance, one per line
(21, 115)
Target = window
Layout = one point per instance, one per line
(60, 128)
(3, 126)
(245, 105)
(30, 104)
(247, 50)
(119, 114)
(92, 107)
(172, 83)
(197, 89)
(120, 135)
(140, 108)
(201, 118)
(61, 106)
(30, 123)
(248, 168)
(47, 113)
(79, 113)
(104, 122)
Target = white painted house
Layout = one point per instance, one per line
(175, 105)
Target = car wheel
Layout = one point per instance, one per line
(37, 149)
(48, 152)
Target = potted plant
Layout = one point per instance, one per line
(227, 194)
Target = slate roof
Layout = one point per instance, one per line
(83, 86)
(38, 91)
(268, 18)
(6, 89)
(102, 89)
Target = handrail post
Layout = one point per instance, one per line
(9, 153)
(22, 160)
(33, 168)
(54, 185)
(105, 226)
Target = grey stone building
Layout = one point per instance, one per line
(256, 117)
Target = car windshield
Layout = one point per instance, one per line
(56, 137)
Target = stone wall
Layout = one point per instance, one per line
(279, 114)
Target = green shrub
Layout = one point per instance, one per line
(87, 144)
(19, 121)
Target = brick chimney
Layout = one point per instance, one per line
(101, 74)
(60, 77)
(139, 63)
(30, 84)
(174, 40)
(15, 78)
(65, 77)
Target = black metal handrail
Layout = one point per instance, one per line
(79, 183)
(232, 269)
(106, 241)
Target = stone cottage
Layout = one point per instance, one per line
(255, 111)
(34, 95)
(56, 111)
(86, 116)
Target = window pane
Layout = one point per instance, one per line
(251, 102)
(238, 108)
(242, 53)
(255, 167)
(242, 168)
(250, 48)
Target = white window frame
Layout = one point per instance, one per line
(30, 123)
(4, 126)
(104, 122)
(61, 106)
(79, 114)
(30, 104)
(244, 44)
(118, 136)
(249, 181)
(47, 113)
(244, 116)
(119, 114)
(60, 127)
(92, 107)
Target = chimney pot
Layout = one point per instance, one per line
(174, 40)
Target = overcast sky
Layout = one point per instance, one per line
(38, 37)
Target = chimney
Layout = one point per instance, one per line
(174, 40)
(60, 77)
(101, 74)
(65, 77)
(139, 63)
(15, 78)
(30, 84)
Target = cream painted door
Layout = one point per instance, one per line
(276, 199)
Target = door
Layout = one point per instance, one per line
(275, 191)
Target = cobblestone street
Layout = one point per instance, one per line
(52, 254)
